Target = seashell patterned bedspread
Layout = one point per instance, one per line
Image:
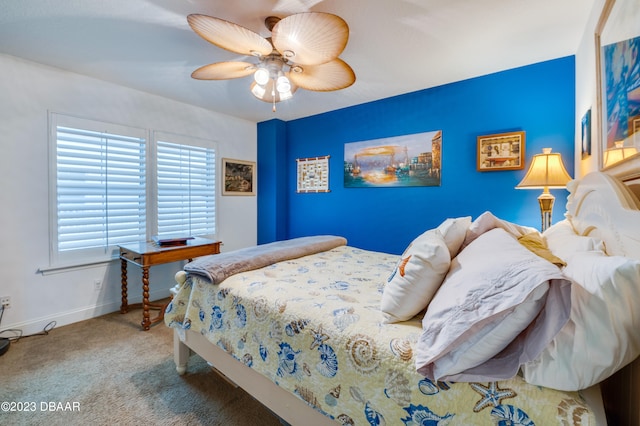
(313, 326)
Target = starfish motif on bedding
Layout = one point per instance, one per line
(492, 395)
(319, 337)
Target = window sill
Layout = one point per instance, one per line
(57, 269)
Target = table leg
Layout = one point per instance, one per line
(124, 307)
(146, 322)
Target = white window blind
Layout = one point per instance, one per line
(100, 189)
(186, 189)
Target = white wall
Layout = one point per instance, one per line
(586, 93)
(27, 92)
(586, 96)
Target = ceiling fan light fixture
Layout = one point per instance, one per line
(283, 85)
(286, 95)
(302, 52)
(269, 92)
(258, 90)
(261, 76)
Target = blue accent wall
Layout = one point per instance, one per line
(272, 181)
(538, 99)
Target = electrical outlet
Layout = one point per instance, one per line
(97, 284)
(5, 301)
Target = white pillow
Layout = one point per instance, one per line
(417, 276)
(487, 221)
(498, 307)
(602, 334)
(563, 241)
(454, 230)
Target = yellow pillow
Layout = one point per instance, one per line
(535, 242)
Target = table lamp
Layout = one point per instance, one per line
(618, 153)
(546, 171)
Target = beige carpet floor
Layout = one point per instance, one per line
(116, 374)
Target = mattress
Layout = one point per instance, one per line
(313, 326)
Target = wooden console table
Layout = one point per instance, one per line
(147, 254)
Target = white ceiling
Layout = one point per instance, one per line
(395, 46)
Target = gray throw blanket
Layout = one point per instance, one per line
(217, 267)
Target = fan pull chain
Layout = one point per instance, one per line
(273, 96)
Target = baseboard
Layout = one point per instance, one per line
(37, 325)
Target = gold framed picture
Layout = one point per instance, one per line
(239, 177)
(502, 151)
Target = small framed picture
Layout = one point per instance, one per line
(503, 151)
(239, 177)
(313, 174)
(586, 134)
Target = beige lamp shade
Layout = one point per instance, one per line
(546, 171)
(618, 153)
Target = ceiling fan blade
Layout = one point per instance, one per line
(229, 36)
(224, 70)
(333, 75)
(310, 38)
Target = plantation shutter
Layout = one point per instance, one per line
(186, 190)
(101, 190)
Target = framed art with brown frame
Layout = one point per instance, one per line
(502, 151)
(617, 40)
(239, 177)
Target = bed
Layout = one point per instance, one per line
(318, 336)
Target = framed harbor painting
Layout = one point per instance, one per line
(399, 161)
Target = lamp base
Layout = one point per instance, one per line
(546, 200)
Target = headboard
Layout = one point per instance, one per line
(602, 206)
(608, 207)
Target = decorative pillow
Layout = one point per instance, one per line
(416, 278)
(454, 230)
(498, 307)
(486, 222)
(535, 242)
(602, 335)
(563, 241)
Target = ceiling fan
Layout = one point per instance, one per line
(302, 52)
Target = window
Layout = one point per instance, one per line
(110, 186)
(186, 189)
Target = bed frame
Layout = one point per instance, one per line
(599, 206)
(593, 213)
(285, 405)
